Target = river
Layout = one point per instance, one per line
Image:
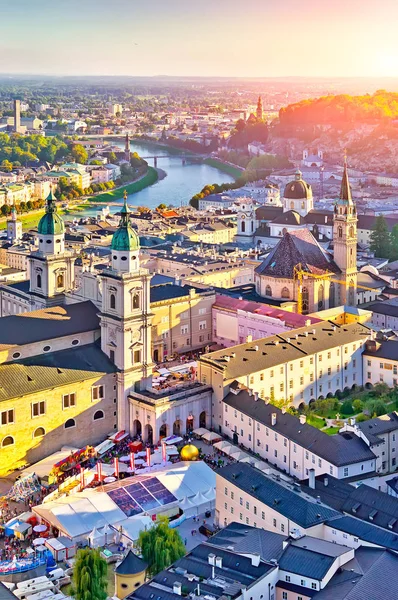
(178, 187)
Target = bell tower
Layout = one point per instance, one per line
(259, 109)
(127, 148)
(125, 316)
(345, 240)
(51, 266)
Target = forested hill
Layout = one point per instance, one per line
(381, 106)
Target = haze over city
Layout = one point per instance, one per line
(257, 38)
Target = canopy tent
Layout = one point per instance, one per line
(104, 447)
(172, 439)
(44, 467)
(95, 538)
(239, 455)
(211, 436)
(221, 445)
(200, 431)
(257, 464)
(118, 436)
(171, 450)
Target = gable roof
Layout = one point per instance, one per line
(340, 449)
(48, 323)
(297, 247)
(242, 538)
(305, 513)
(306, 563)
(365, 531)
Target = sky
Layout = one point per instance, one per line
(245, 38)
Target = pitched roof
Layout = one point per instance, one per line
(287, 502)
(341, 449)
(383, 308)
(48, 323)
(271, 351)
(297, 247)
(242, 538)
(379, 425)
(306, 563)
(46, 371)
(131, 564)
(365, 531)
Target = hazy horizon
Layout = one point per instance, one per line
(175, 38)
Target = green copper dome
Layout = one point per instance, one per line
(125, 238)
(51, 223)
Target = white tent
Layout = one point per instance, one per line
(211, 436)
(108, 534)
(104, 447)
(221, 445)
(239, 455)
(95, 538)
(200, 431)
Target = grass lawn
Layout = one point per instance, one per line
(29, 221)
(229, 169)
(331, 430)
(315, 421)
(150, 178)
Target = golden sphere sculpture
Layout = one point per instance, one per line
(189, 452)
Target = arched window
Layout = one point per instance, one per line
(321, 295)
(292, 206)
(99, 414)
(112, 301)
(60, 280)
(351, 293)
(38, 280)
(243, 226)
(39, 432)
(332, 295)
(305, 300)
(303, 205)
(268, 291)
(340, 232)
(352, 232)
(70, 423)
(285, 293)
(8, 441)
(136, 301)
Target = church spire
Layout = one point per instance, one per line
(127, 148)
(345, 190)
(259, 111)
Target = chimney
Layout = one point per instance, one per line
(233, 355)
(311, 478)
(313, 331)
(325, 481)
(211, 558)
(273, 419)
(213, 572)
(255, 558)
(352, 421)
(318, 499)
(307, 322)
(177, 588)
(303, 419)
(256, 348)
(219, 562)
(255, 396)
(283, 410)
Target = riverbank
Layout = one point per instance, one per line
(150, 177)
(235, 172)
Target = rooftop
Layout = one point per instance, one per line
(251, 357)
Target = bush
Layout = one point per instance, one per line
(360, 418)
(357, 405)
(347, 408)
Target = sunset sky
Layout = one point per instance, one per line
(249, 38)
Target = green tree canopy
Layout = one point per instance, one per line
(79, 154)
(89, 576)
(160, 546)
(380, 239)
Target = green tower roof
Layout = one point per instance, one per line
(51, 223)
(125, 238)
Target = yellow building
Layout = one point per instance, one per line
(130, 573)
(56, 386)
(181, 319)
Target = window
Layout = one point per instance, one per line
(137, 356)
(303, 582)
(284, 595)
(274, 522)
(38, 409)
(247, 506)
(268, 291)
(97, 392)
(247, 520)
(282, 528)
(313, 585)
(39, 432)
(70, 423)
(7, 417)
(112, 355)
(287, 578)
(263, 515)
(7, 441)
(285, 293)
(241, 501)
(99, 414)
(112, 301)
(232, 510)
(202, 325)
(16, 355)
(60, 280)
(202, 311)
(68, 400)
(345, 471)
(38, 281)
(184, 329)
(136, 301)
(240, 517)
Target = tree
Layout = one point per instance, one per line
(394, 243)
(112, 158)
(160, 546)
(162, 206)
(90, 576)
(380, 239)
(6, 165)
(80, 154)
(357, 405)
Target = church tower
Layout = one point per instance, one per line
(125, 316)
(127, 148)
(51, 266)
(345, 241)
(259, 110)
(14, 228)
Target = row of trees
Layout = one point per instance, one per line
(384, 243)
(22, 207)
(18, 150)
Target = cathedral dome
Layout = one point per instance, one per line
(298, 189)
(125, 237)
(51, 223)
